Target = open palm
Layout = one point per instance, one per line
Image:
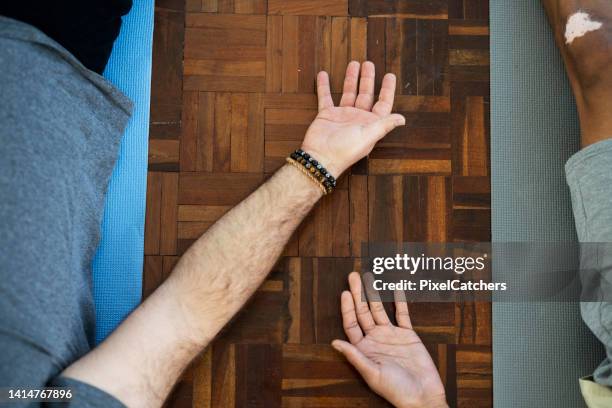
(341, 135)
(392, 359)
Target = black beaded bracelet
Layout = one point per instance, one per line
(315, 168)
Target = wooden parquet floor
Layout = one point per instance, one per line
(232, 95)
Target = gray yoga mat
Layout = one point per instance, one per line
(539, 349)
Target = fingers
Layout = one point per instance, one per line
(401, 310)
(377, 130)
(387, 93)
(364, 317)
(349, 318)
(323, 91)
(365, 99)
(351, 79)
(366, 367)
(376, 307)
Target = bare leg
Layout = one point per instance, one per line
(588, 60)
(583, 31)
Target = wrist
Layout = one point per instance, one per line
(335, 169)
(438, 401)
(300, 182)
(313, 169)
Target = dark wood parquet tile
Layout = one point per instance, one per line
(166, 90)
(232, 95)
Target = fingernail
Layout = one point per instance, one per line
(336, 346)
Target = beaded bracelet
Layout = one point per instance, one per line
(307, 173)
(314, 169)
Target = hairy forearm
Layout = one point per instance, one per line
(227, 264)
(142, 359)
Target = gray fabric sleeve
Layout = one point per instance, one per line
(59, 139)
(24, 363)
(589, 176)
(83, 395)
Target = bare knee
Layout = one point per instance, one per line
(588, 41)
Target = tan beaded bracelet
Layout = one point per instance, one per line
(308, 174)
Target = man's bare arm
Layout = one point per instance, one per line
(142, 359)
(208, 286)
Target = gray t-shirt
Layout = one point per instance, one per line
(60, 128)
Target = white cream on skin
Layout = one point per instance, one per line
(578, 24)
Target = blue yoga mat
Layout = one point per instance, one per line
(117, 267)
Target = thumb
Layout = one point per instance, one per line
(382, 126)
(366, 367)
